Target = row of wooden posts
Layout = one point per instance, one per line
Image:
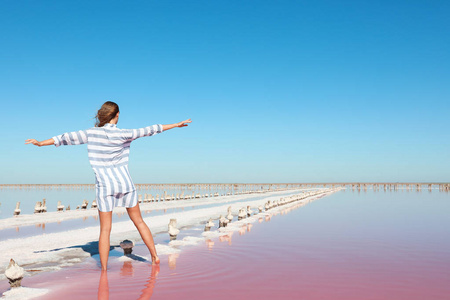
(41, 206)
(173, 231)
(395, 187)
(247, 212)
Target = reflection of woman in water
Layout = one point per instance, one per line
(108, 150)
(127, 268)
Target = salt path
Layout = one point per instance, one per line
(53, 251)
(53, 217)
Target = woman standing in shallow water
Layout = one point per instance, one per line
(108, 150)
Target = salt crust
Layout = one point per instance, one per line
(186, 241)
(124, 258)
(23, 293)
(63, 248)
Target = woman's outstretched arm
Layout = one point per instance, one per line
(40, 144)
(132, 134)
(68, 138)
(180, 124)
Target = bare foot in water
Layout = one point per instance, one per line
(155, 260)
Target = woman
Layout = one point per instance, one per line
(108, 150)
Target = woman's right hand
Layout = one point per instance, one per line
(33, 141)
(41, 143)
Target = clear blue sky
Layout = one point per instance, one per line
(278, 91)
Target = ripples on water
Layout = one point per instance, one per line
(350, 245)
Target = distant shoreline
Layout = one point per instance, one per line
(241, 183)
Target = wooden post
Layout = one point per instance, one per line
(209, 225)
(127, 247)
(249, 211)
(223, 222)
(37, 207)
(44, 206)
(242, 214)
(229, 216)
(84, 204)
(173, 230)
(14, 273)
(59, 207)
(17, 210)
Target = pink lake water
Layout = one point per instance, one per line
(349, 245)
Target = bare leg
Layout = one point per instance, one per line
(135, 215)
(103, 241)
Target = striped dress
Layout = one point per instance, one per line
(108, 150)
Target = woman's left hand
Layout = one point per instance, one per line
(183, 124)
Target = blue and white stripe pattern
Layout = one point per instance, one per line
(108, 150)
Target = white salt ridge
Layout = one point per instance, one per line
(212, 234)
(59, 248)
(128, 258)
(162, 249)
(23, 293)
(52, 217)
(186, 241)
(124, 258)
